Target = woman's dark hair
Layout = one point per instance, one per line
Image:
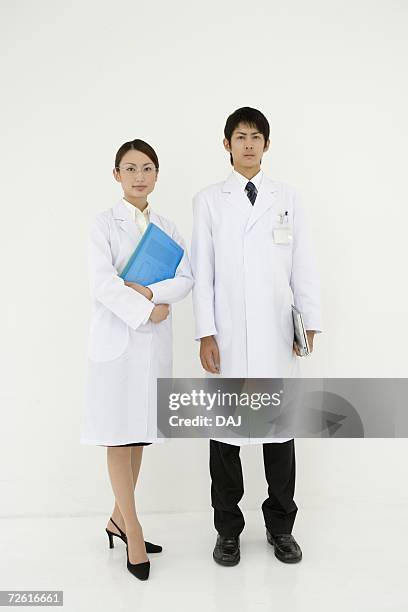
(249, 116)
(136, 145)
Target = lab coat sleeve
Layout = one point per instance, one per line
(202, 263)
(107, 287)
(174, 289)
(304, 280)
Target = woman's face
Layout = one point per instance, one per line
(137, 175)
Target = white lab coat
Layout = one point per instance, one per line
(245, 283)
(126, 351)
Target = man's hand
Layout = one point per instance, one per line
(210, 355)
(310, 336)
(159, 313)
(140, 289)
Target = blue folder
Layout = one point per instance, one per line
(155, 258)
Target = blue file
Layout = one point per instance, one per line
(155, 258)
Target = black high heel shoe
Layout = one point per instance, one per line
(150, 548)
(140, 570)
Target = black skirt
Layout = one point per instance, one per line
(131, 444)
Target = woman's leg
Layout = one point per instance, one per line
(121, 476)
(136, 457)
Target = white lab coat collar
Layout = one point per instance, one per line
(236, 196)
(134, 211)
(127, 222)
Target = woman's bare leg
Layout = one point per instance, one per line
(119, 461)
(136, 457)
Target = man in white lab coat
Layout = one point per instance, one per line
(251, 259)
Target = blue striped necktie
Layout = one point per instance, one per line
(251, 192)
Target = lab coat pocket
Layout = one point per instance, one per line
(282, 235)
(108, 336)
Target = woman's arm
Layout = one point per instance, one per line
(106, 286)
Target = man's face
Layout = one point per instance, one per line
(247, 146)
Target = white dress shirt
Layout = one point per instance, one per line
(141, 218)
(256, 180)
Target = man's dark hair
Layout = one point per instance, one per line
(249, 116)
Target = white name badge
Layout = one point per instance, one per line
(282, 235)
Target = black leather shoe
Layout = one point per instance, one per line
(226, 551)
(286, 547)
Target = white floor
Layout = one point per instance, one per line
(354, 560)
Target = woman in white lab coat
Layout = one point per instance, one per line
(130, 342)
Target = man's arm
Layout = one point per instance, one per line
(304, 279)
(202, 263)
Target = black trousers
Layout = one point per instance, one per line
(227, 487)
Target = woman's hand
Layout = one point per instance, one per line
(159, 313)
(140, 289)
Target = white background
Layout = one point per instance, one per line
(81, 78)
